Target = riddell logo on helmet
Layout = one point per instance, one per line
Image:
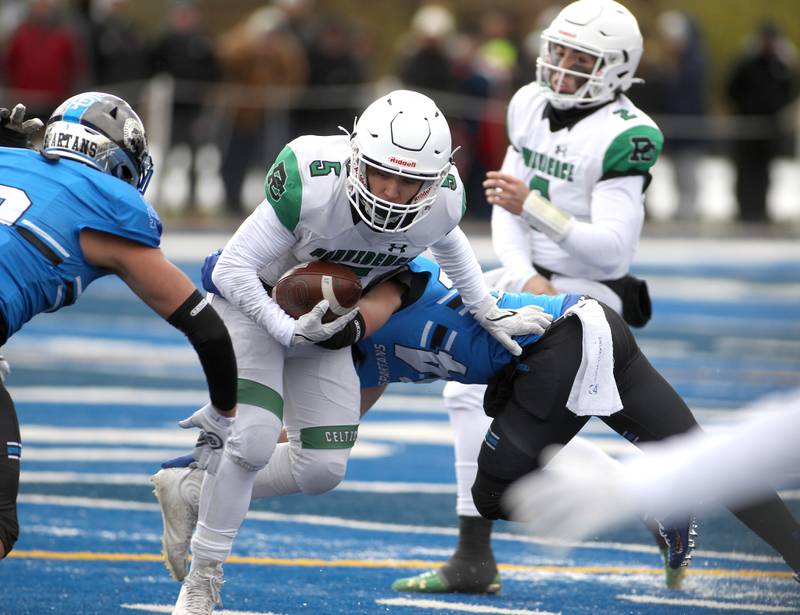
(570, 34)
(403, 163)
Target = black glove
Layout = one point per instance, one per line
(15, 130)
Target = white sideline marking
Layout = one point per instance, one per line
(167, 608)
(355, 486)
(709, 604)
(87, 396)
(442, 605)
(374, 526)
(89, 478)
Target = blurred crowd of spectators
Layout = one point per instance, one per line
(289, 70)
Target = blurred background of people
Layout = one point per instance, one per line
(264, 67)
(44, 61)
(336, 74)
(761, 84)
(118, 50)
(185, 51)
(330, 57)
(683, 85)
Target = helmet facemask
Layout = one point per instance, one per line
(608, 33)
(386, 216)
(405, 135)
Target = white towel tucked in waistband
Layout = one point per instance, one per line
(594, 391)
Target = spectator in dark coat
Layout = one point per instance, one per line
(760, 84)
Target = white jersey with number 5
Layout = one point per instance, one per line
(306, 187)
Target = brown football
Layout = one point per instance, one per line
(302, 287)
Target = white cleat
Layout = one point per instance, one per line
(178, 494)
(200, 591)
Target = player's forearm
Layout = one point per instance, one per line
(205, 330)
(258, 241)
(511, 242)
(609, 241)
(454, 253)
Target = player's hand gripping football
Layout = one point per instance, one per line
(15, 130)
(309, 328)
(214, 429)
(503, 323)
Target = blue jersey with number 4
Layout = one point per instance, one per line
(436, 338)
(44, 205)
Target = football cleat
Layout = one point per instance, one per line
(200, 591)
(178, 493)
(434, 582)
(679, 543)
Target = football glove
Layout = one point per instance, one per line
(15, 130)
(309, 328)
(214, 429)
(542, 215)
(502, 323)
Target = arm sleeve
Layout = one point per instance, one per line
(512, 243)
(510, 233)
(259, 240)
(454, 253)
(207, 333)
(617, 218)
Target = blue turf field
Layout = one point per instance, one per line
(99, 388)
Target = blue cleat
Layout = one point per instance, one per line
(679, 543)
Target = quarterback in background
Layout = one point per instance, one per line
(569, 209)
(356, 200)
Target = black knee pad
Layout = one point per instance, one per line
(9, 488)
(487, 493)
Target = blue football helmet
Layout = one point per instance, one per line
(103, 131)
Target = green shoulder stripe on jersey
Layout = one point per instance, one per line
(255, 394)
(463, 202)
(635, 150)
(284, 188)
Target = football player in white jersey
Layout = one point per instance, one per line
(357, 200)
(569, 211)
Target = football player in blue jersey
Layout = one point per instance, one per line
(75, 212)
(416, 329)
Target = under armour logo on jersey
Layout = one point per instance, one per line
(400, 247)
(561, 149)
(642, 149)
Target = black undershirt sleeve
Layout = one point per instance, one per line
(207, 333)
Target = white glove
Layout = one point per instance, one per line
(5, 369)
(502, 323)
(214, 429)
(542, 215)
(309, 328)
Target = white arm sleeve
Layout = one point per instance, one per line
(511, 236)
(259, 240)
(454, 253)
(617, 218)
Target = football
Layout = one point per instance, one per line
(302, 287)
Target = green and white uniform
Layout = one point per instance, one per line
(595, 170)
(315, 392)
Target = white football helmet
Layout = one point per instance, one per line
(103, 131)
(602, 28)
(403, 133)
